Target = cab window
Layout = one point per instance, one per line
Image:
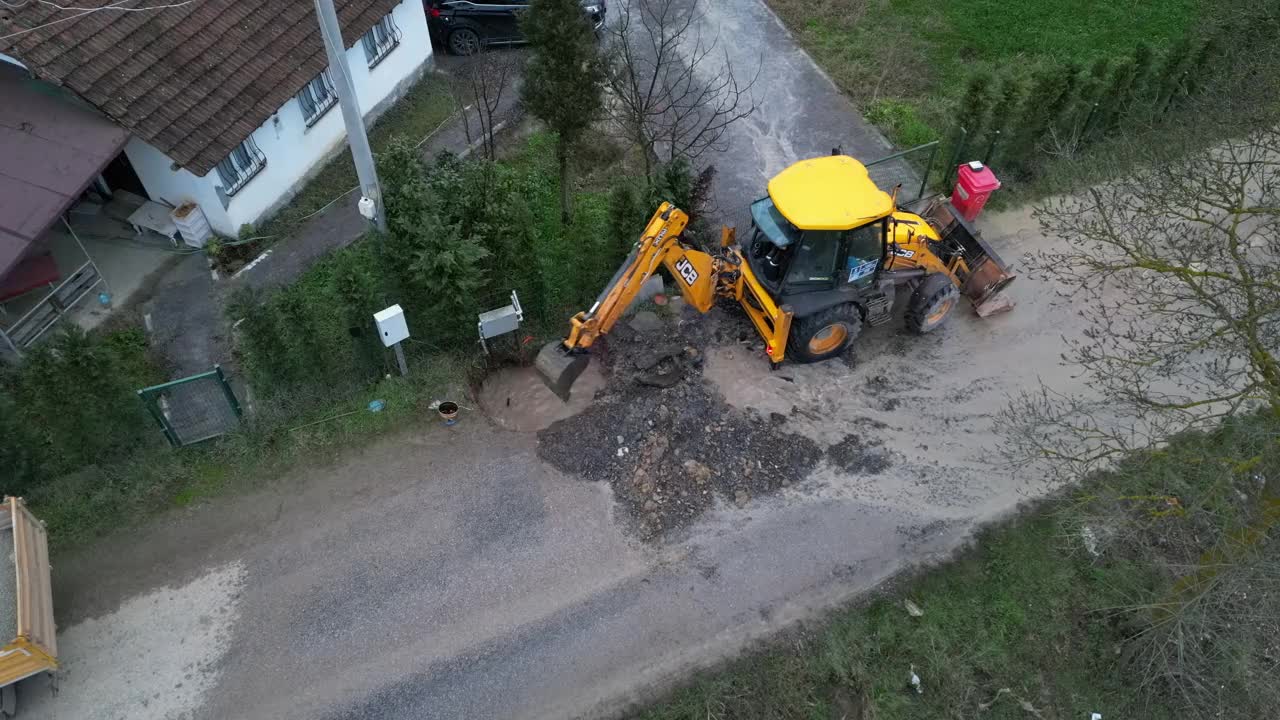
(865, 249)
(814, 261)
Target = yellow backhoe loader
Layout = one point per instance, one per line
(828, 253)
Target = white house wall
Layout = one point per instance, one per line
(293, 151)
(164, 183)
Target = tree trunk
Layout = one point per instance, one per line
(566, 196)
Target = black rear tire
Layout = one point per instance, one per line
(824, 334)
(464, 41)
(932, 303)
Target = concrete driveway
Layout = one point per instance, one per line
(450, 573)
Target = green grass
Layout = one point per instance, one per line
(917, 54)
(1014, 613)
(1027, 609)
(417, 114)
(871, 44)
(81, 506)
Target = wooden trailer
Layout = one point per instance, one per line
(26, 601)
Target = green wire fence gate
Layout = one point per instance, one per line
(193, 409)
(909, 169)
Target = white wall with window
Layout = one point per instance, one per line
(269, 168)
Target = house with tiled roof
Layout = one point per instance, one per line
(227, 104)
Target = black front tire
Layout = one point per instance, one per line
(932, 303)
(464, 41)
(824, 334)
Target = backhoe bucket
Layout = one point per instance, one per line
(559, 368)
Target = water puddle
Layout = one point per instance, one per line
(516, 399)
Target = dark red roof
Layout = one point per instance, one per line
(193, 80)
(50, 150)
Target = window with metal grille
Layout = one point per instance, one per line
(380, 40)
(239, 167)
(316, 97)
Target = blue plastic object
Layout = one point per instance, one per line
(376, 406)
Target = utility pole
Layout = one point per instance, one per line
(351, 115)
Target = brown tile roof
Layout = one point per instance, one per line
(192, 80)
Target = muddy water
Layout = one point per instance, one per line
(516, 398)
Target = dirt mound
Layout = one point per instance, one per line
(670, 451)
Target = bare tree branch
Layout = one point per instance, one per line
(669, 95)
(478, 89)
(1177, 270)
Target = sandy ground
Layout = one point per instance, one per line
(517, 399)
(928, 401)
(154, 658)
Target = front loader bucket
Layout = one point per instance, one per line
(559, 368)
(984, 284)
(988, 274)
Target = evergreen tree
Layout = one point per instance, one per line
(440, 269)
(977, 103)
(564, 78)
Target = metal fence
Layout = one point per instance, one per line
(193, 409)
(910, 168)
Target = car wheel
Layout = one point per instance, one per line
(464, 41)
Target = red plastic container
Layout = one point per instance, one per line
(974, 184)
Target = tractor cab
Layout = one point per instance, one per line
(822, 227)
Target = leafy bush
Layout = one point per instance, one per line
(72, 402)
(319, 330)
(462, 235)
(439, 261)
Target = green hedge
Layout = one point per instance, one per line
(462, 235)
(72, 403)
(1058, 109)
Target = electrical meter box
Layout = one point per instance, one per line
(391, 325)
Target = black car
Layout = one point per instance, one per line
(466, 26)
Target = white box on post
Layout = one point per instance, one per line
(393, 329)
(391, 325)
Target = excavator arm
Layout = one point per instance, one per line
(562, 361)
(660, 237)
(700, 276)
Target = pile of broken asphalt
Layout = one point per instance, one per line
(666, 442)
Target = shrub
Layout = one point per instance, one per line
(628, 211)
(73, 402)
(976, 105)
(438, 265)
(463, 233)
